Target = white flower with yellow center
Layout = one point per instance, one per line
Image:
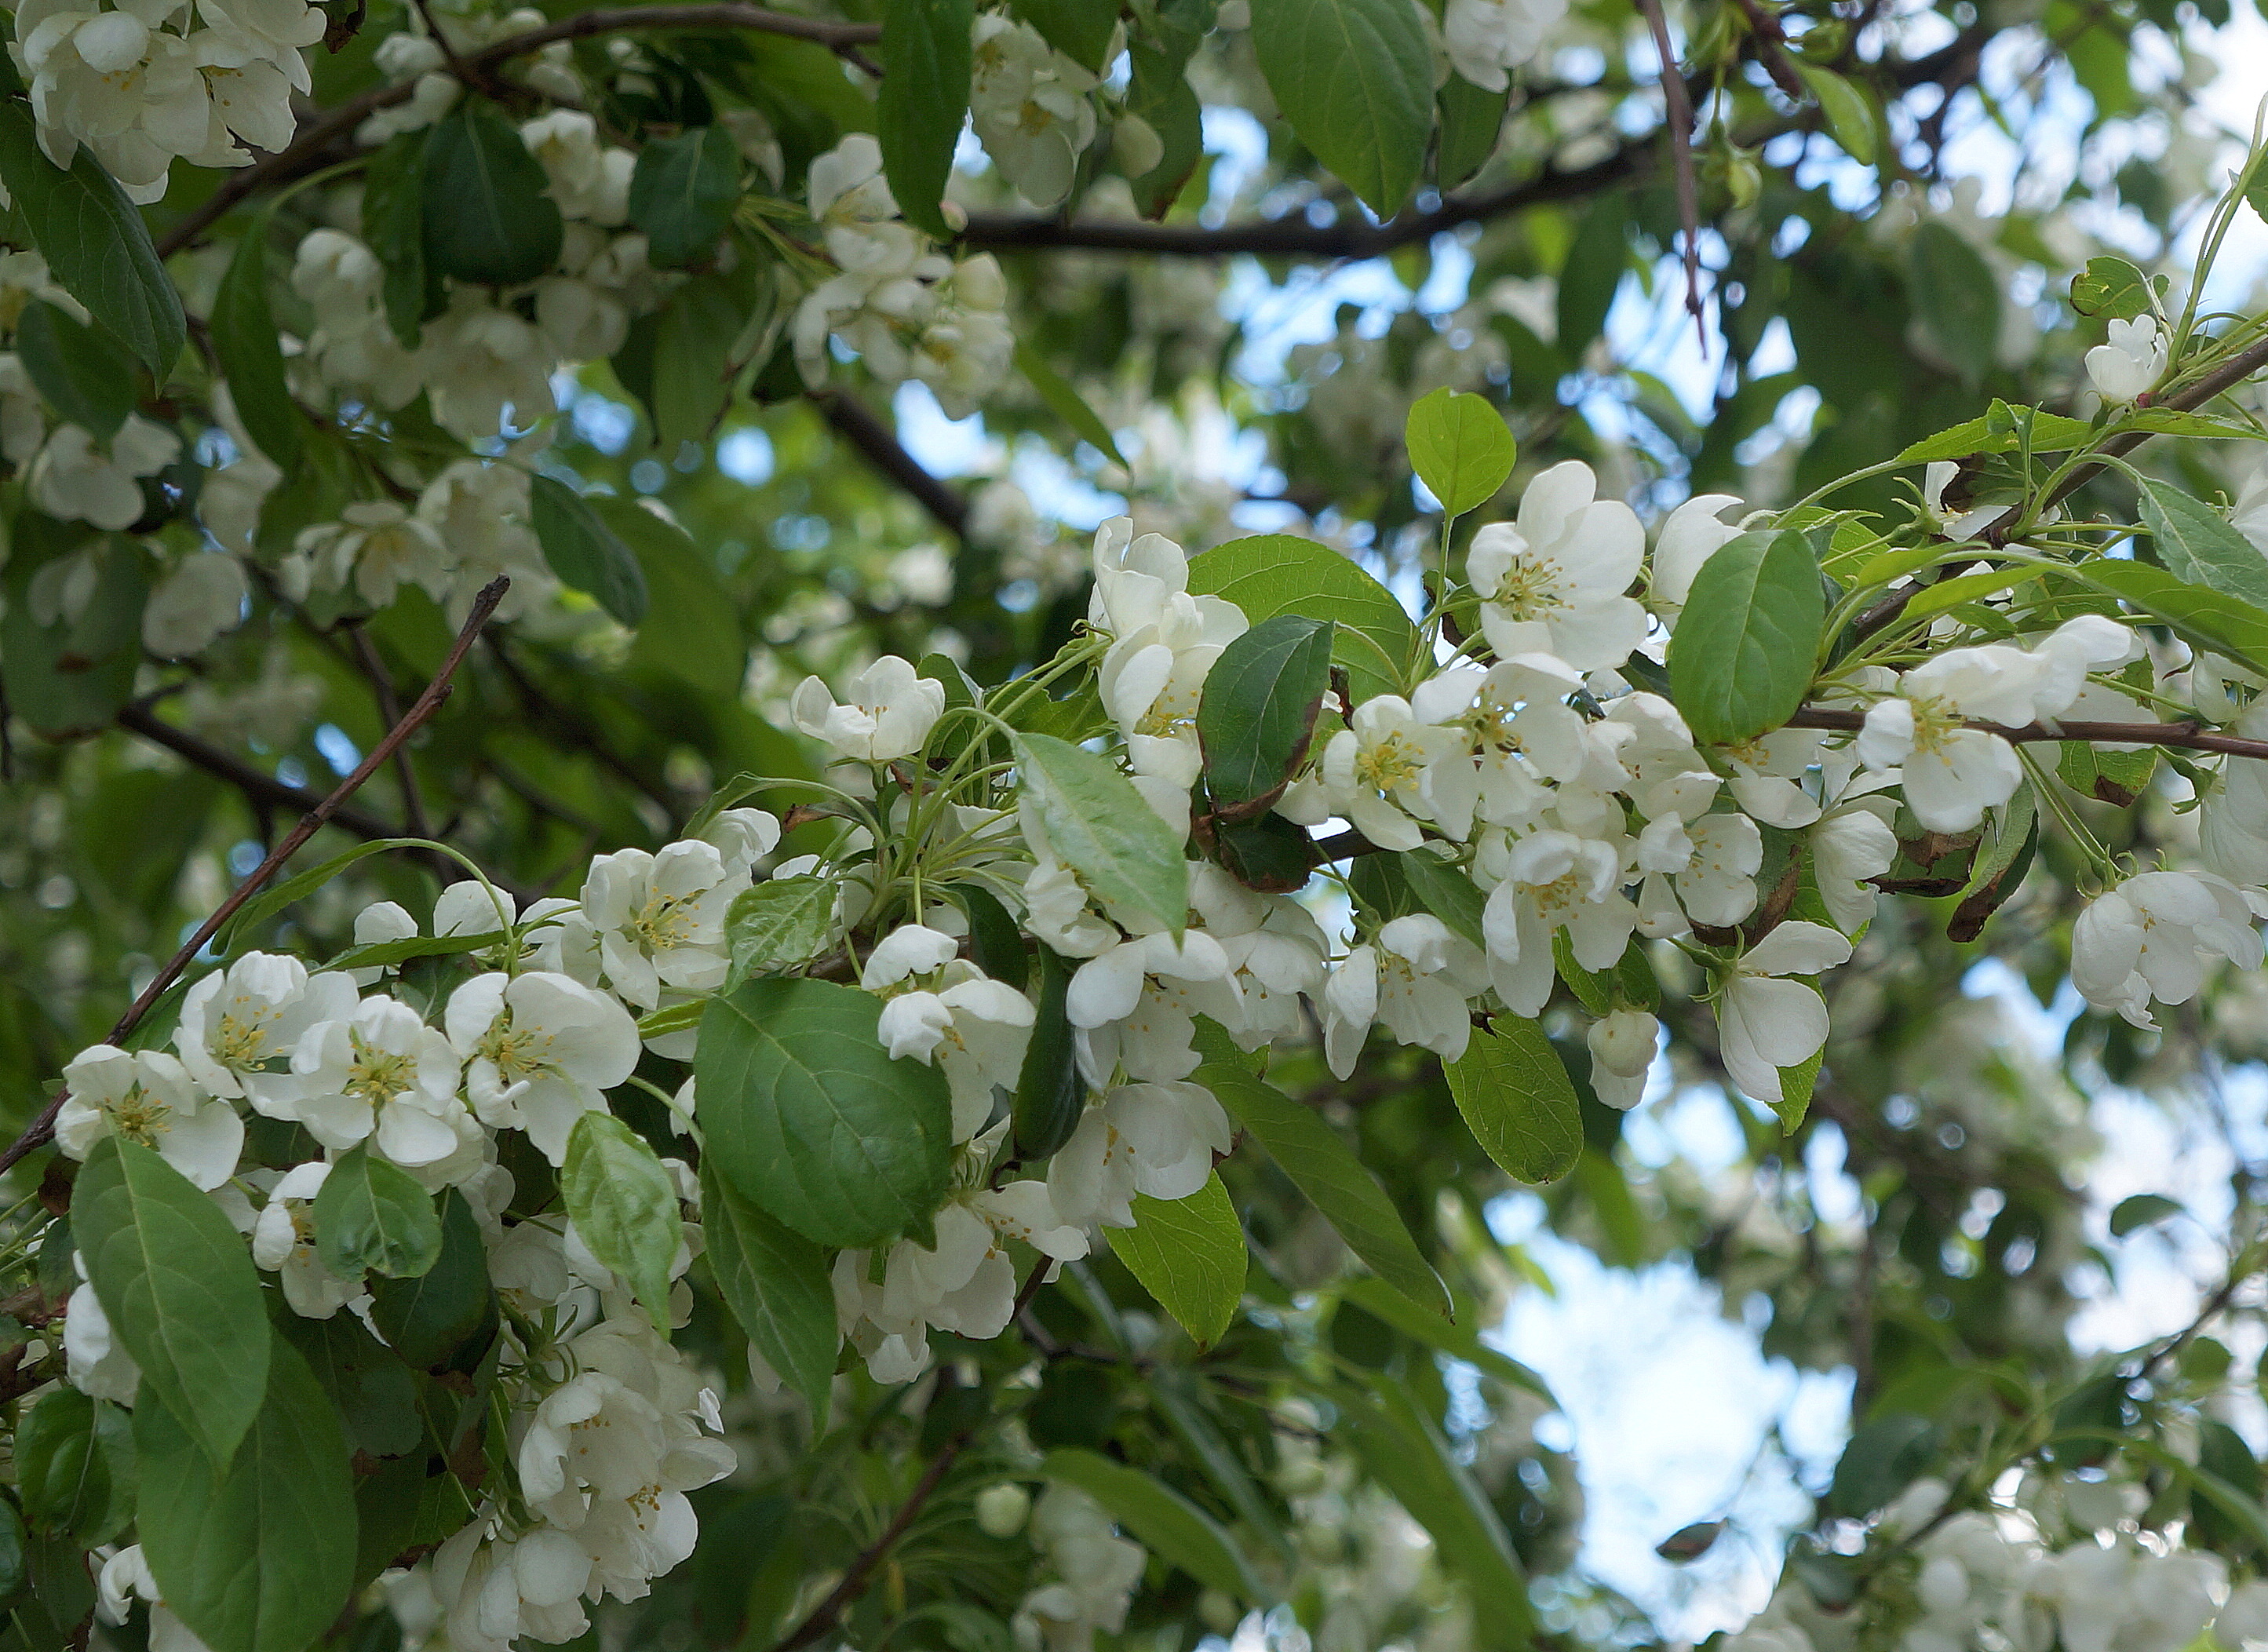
(148, 1097)
(1765, 1023)
(540, 1050)
(889, 714)
(1415, 982)
(1547, 882)
(659, 919)
(1374, 770)
(240, 1025)
(1555, 581)
(381, 1075)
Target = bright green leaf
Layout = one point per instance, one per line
(1355, 79)
(807, 1115)
(2204, 618)
(372, 1215)
(2200, 545)
(781, 922)
(1850, 117)
(584, 551)
(1159, 1517)
(1099, 826)
(1517, 1099)
(1742, 654)
(624, 1206)
(1460, 448)
(2110, 288)
(1280, 573)
(178, 1286)
(1189, 1253)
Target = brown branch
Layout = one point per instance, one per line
(389, 712)
(2186, 736)
(1677, 117)
(823, 1616)
(860, 425)
(42, 1129)
(1773, 51)
(310, 150)
(262, 788)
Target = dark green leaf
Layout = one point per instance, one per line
(1458, 1340)
(370, 1214)
(179, 1288)
(245, 338)
(623, 1205)
(94, 242)
(2204, 618)
(1336, 1181)
(2110, 288)
(1189, 1253)
(1742, 654)
(683, 193)
(89, 377)
(15, 1557)
(1258, 709)
(1850, 118)
(1156, 1514)
(1099, 826)
(995, 941)
(445, 1319)
(1443, 890)
(393, 227)
(584, 551)
(1081, 30)
(1460, 448)
(1050, 1091)
(257, 1557)
(1472, 119)
(487, 214)
(1882, 1459)
(2199, 544)
(1158, 92)
(75, 1467)
(927, 57)
(808, 1117)
(1957, 296)
(1355, 79)
(1517, 1099)
(775, 1281)
(691, 629)
(1597, 261)
(2141, 1210)
(73, 677)
(778, 924)
(1279, 573)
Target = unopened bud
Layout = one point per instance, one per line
(1001, 1509)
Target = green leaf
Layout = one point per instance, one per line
(1459, 1341)
(1443, 890)
(624, 1206)
(1472, 121)
(15, 1557)
(370, 1214)
(1280, 573)
(1355, 79)
(2197, 543)
(1460, 448)
(682, 194)
(1257, 712)
(995, 941)
(584, 551)
(2110, 288)
(1403, 1449)
(1080, 29)
(1050, 1090)
(926, 58)
(2204, 618)
(807, 1117)
(445, 1319)
(1099, 826)
(778, 923)
(244, 337)
(87, 376)
(1336, 1183)
(1592, 271)
(776, 1282)
(1517, 1099)
(75, 1467)
(94, 241)
(691, 629)
(178, 1286)
(2141, 1210)
(393, 227)
(258, 1556)
(1066, 402)
(1882, 1459)
(1159, 91)
(1159, 1517)
(1850, 117)
(1189, 1253)
(489, 217)
(1957, 297)
(2052, 433)
(1743, 650)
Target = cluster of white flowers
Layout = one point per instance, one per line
(908, 311)
(144, 83)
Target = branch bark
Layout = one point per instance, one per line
(2183, 736)
(41, 1129)
(860, 425)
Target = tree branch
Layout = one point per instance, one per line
(309, 150)
(2186, 736)
(1677, 118)
(41, 1129)
(256, 784)
(389, 712)
(860, 425)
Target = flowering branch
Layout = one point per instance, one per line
(42, 1129)
(306, 152)
(2187, 736)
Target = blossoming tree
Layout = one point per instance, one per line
(841, 1061)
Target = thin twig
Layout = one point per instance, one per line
(42, 1129)
(858, 424)
(307, 152)
(263, 789)
(1678, 116)
(389, 710)
(2186, 736)
(1771, 52)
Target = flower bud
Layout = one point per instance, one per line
(1001, 1509)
